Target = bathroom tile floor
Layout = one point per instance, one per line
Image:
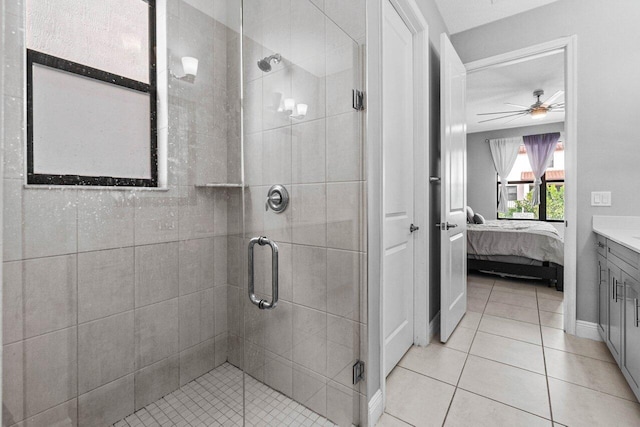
(510, 363)
(215, 399)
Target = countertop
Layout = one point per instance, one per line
(624, 230)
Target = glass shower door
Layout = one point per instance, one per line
(302, 142)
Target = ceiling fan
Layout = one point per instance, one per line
(537, 110)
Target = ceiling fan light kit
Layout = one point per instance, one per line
(538, 110)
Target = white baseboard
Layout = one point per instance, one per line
(587, 330)
(376, 408)
(434, 327)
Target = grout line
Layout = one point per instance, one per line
(544, 360)
(505, 404)
(399, 419)
(466, 358)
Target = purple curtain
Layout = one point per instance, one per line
(540, 149)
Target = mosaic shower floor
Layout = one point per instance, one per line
(215, 399)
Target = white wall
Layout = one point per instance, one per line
(482, 193)
(608, 92)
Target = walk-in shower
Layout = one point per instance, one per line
(127, 293)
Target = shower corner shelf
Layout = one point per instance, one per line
(221, 185)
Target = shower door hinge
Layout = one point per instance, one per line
(358, 371)
(358, 100)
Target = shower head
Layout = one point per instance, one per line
(265, 63)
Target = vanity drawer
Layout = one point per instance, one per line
(601, 244)
(627, 259)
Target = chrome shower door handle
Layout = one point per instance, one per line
(263, 303)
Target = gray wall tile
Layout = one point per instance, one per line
(156, 332)
(105, 220)
(50, 299)
(196, 265)
(196, 361)
(105, 283)
(156, 273)
(107, 404)
(310, 276)
(49, 370)
(157, 380)
(106, 350)
(190, 319)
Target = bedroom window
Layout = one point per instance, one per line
(520, 189)
(91, 93)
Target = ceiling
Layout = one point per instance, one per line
(488, 90)
(461, 15)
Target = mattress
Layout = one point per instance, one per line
(534, 240)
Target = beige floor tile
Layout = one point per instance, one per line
(528, 301)
(509, 351)
(387, 420)
(557, 339)
(417, 399)
(585, 371)
(511, 329)
(435, 361)
(460, 339)
(508, 311)
(471, 320)
(549, 293)
(552, 305)
(520, 287)
(512, 386)
(468, 409)
(481, 279)
(475, 304)
(579, 406)
(478, 292)
(552, 320)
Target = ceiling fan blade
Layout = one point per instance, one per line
(555, 96)
(517, 105)
(503, 112)
(556, 111)
(515, 118)
(503, 117)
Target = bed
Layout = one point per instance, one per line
(517, 248)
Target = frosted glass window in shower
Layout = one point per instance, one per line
(88, 127)
(108, 35)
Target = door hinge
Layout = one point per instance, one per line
(358, 371)
(358, 99)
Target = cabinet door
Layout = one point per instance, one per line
(631, 359)
(616, 294)
(603, 297)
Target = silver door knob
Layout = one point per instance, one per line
(413, 228)
(445, 226)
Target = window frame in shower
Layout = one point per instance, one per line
(151, 88)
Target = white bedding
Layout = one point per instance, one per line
(536, 240)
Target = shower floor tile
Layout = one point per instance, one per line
(215, 399)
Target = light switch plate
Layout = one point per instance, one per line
(601, 198)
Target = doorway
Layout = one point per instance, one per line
(564, 47)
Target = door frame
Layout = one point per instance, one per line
(569, 46)
(417, 24)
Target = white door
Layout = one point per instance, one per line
(397, 193)
(453, 217)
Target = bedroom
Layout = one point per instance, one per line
(513, 234)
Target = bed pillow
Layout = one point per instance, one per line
(469, 215)
(478, 219)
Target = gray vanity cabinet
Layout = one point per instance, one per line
(614, 317)
(631, 358)
(603, 296)
(619, 306)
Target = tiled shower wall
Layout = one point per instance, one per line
(114, 298)
(305, 347)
